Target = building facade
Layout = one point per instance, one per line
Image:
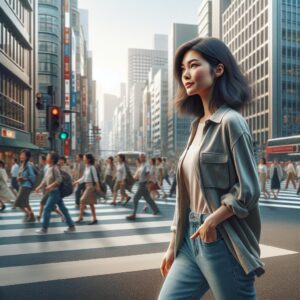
(17, 77)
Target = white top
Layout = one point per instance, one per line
(14, 170)
(196, 196)
(159, 172)
(121, 172)
(290, 168)
(153, 175)
(87, 175)
(262, 169)
(109, 170)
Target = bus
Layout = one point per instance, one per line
(283, 149)
(131, 157)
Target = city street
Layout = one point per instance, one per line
(119, 259)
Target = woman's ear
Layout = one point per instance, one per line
(219, 70)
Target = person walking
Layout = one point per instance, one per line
(276, 176)
(120, 181)
(142, 190)
(166, 176)
(152, 182)
(14, 174)
(6, 195)
(79, 170)
(291, 173)
(263, 176)
(91, 182)
(216, 225)
(52, 182)
(161, 175)
(26, 179)
(110, 173)
(45, 167)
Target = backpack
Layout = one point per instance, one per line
(66, 186)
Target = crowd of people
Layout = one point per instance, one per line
(277, 173)
(90, 179)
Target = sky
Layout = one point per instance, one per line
(116, 25)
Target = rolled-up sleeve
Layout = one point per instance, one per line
(244, 195)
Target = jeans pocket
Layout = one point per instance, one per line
(218, 239)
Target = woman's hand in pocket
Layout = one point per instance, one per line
(206, 232)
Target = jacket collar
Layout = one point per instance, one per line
(216, 117)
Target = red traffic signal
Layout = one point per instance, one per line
(54, 110)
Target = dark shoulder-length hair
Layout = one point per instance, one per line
(231, 88)
(90, 157)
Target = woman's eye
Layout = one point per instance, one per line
(193, 65)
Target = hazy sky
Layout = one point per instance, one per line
(116, 25)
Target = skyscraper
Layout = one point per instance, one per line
(178, 128)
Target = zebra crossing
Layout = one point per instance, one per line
(113, 246)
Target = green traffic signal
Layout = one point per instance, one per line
(63, 135)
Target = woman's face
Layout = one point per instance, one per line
(22, 157)
(85, 160)
(196, 76)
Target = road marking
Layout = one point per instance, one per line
(96, 267)
(94, 243)
(55, 217)
(87, 228)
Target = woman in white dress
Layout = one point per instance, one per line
(263, 175)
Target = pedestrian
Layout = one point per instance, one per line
(152, 182)
(142, 190)
(291, 173)
(298, 176)
(120, 181)
(44, 167)
(14, 174)
(79, 170)
(91, 182)
(161, 175)
(62, 163)
(276, 176)
(52, 182)
(216, 225)
(26, 179)
(110, 173)
(6, 195)
(166, 171)
(263, 176)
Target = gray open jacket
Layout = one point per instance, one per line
(227, 174)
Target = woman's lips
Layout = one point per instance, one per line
(188, 85)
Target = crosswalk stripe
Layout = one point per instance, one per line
(280, 205)
(54, 219)
(87, 228)
(94, 243)
(95, 267)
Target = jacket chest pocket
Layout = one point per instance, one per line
(214, 170)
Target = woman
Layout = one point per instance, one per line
(276, 176)
(263, 175)
(26, 179)
(6, 195)
(51, 183)
(110, 171)
(216, 226)
(120, 181)
(91, 181)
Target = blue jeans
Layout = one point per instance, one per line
(200, 266)
(54, 199)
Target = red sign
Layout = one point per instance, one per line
(67, 67)
(67, 147)
(280, 149)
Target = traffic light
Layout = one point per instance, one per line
(53, 116)
(39, 101)
(63, 135)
